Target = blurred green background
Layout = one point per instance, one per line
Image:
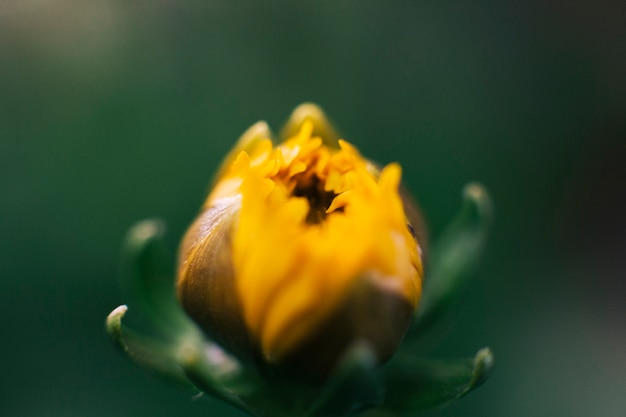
(115, 111)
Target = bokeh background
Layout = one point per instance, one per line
(115, 111)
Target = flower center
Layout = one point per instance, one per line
(319, 199)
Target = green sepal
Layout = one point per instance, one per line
(250, 138)
(147, 274)
(154, 354)
(322, 126)
(415, 384)
(454, 258)
(355, 385)
(172, 346)
(213, 371)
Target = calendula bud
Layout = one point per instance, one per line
(302, 249)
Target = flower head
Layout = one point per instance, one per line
(302, 274)
(315, 244)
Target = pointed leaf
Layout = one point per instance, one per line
(417, 384)
(155, 355)
(455, 256)
(148, 278)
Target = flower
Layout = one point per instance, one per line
(299, 280)
(301, 243)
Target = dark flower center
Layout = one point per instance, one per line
(319, 200)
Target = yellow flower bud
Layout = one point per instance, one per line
(302, 249)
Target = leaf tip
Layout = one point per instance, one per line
(114, 325)
(483, 366)
(477, 195)
(145, 231)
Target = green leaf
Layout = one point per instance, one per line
(191, 360)
(156, 355)
(415, 384)
(172, 345)
(214, 371)
(454, 259)
(148, 279)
